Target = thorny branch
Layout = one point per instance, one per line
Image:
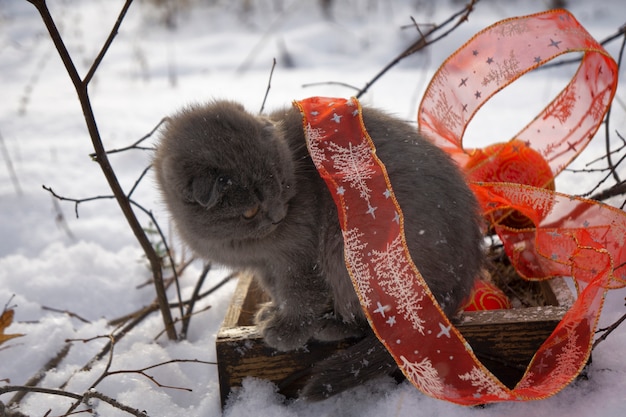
(81, 87)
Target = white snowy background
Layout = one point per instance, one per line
(218, 50)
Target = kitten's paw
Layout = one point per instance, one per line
(332, 329)
(283, 332)
(265, 312)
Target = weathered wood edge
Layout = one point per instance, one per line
(242, 352)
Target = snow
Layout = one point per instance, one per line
(96, 270)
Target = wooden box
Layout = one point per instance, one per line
(504, 340)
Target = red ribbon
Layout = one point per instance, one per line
(571, 236)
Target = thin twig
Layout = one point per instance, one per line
(142, 371)
(607, 331)
(605, 178)
(136, 184)
(198, 297)
(167, 251)
(113, 402)
(103, 375)
(142, 312)
(135, 145)
(342, 84)
(218, 285)
(81, 398)
(620, 32)
(194, 297)
(77, 201)
(116, 337)
(423, 42)
(269, 85)
(137, 318)
(107, 43)
(614, 191)
(600, 158)
(69, 313)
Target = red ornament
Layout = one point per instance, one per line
(486, 296)
(512, 162)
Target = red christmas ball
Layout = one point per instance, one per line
(486, 296)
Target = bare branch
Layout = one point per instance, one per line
(81, 88)
(75, 200)
(81, 398)
(614, 191)
(135, 145)
(113, 402)
(218, 285)
(194, 297)
(607, 331)
(69, 313)
(136, 184)
(142, 371)
(269, 85)
(606, 177)
(107, 43)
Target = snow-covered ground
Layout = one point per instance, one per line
(216, 49)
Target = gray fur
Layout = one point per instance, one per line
(243, 192)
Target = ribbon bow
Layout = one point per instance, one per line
(569, 236)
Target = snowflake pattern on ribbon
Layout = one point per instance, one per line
(571, 236)
(395, 277)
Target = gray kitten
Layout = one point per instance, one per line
(243, 192)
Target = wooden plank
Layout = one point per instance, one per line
(504, 340)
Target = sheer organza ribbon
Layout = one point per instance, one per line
(568, 236)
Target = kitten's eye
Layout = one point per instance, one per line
(251, 212)
(224, 181)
